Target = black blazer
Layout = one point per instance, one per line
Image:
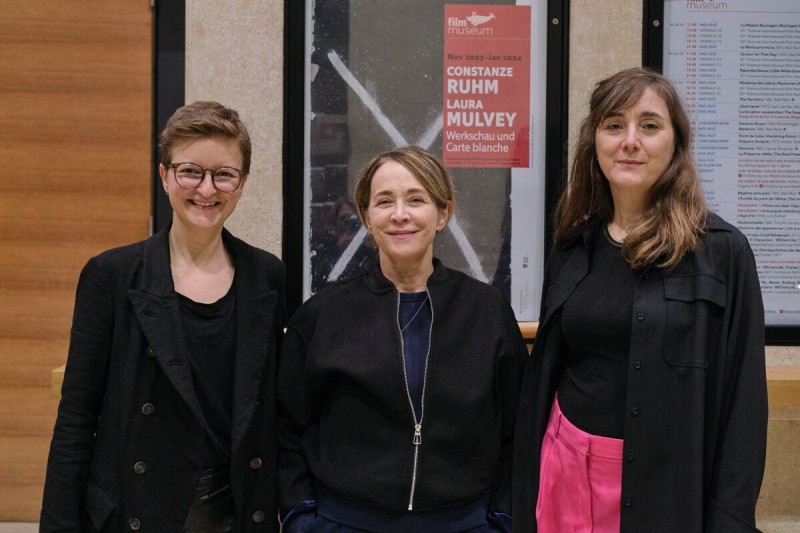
(125, 453)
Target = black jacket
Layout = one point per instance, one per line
(696, 422)
(128, 397)
(346, 419)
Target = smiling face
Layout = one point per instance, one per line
(203, 208)
(403, 218)
(635, 146)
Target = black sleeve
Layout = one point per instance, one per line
(741, 446)
(295, 482)
(510, 367)
(81, 401)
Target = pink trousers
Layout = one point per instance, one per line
(580, 482)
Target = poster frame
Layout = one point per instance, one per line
(653, 57)
(294, 149)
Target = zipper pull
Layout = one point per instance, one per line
(417, 434)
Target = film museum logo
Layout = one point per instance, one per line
(706, 5)
(474, 24)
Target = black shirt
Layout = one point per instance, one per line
(596, 325)
(210, 341)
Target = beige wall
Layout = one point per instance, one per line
(244, 72)
(247, 74)
(605, 37)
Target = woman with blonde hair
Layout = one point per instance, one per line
(398, 388)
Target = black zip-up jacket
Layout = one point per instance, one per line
(345, 416)
(696, 410)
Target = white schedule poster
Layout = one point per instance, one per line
(737, 66)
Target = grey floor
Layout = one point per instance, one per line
(19, 527)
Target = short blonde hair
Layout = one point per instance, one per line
(422, 164)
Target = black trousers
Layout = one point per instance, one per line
(212, 508)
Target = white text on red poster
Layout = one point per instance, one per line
(486, 119)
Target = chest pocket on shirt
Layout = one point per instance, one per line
(694, 304)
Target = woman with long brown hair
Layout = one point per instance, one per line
(644, 403)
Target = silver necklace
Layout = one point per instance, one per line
(415, 314)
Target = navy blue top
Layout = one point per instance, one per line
(415, 325)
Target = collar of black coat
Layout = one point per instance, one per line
(586, 231)
(156, 270)
(378, 283)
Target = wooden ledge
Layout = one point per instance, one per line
(528, 330)
(783, 386)
(56, 379)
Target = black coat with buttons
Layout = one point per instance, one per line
(126, 449)
(696, 422)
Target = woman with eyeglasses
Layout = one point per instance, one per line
(166, 420)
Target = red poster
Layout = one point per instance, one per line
(486, 86)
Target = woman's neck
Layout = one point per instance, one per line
(201, 267)
(627, 215)
(407, 278)
(196, 247)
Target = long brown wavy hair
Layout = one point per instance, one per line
(675, 209)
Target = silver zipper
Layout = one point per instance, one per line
(417, 439)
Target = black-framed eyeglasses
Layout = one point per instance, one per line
(224, 179)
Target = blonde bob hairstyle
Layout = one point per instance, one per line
(675, 210)
(422, 164)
